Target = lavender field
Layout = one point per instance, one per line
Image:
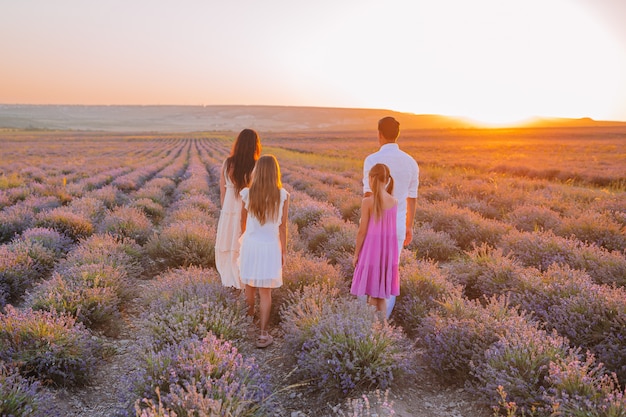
(513, 290)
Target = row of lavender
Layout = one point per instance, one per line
(91, 250)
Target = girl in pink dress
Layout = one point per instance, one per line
(376, 252)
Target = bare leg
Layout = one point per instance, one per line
(250, 294)
(372, 301)
(380, 304)
(265, 306)
(382, 307)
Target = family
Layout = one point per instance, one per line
(252, 228)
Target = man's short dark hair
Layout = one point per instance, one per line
(389, 128)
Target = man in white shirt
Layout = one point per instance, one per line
(405, 173)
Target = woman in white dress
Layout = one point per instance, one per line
(264, 239)
(234, 176)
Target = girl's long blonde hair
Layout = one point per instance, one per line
(264, 194)
(379, 174)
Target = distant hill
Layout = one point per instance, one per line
(232, 118)
(582, 122)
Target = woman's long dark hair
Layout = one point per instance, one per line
(239, 165)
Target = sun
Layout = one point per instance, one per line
(496, 119)
(495, 62)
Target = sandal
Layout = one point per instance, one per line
(264, 340)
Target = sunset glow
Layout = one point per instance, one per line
(488, 60)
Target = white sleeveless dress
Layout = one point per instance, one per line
(260, 258)
(227, 238)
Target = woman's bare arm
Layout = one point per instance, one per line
(222, 185)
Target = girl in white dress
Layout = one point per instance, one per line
(264, 239)
(235, 175)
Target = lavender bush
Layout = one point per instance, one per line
(18, 270)
(89, 208)
(127, 222)
(156, 193)
(303, 310)
(107, 250)
(583, 388)
(436, 245)
(43, 258)
(340, 244)
(301, 270)
(305, 211)
(464, 226)
(541, 250)
(163, 184)
(195, 370)
(519, 362)
(167, 325)
(20, 397)
(350, 347)
(4, 296)
(190, 402)
(183, 244)
(110, 196)
(62, 219)
(190, 214)
(5, 201)
(530, 218)
(486, 271)
(200, 201)
(332, 238)
(154, 211)
(93, 293)
(422, 287)
(14, 220)
(183, 284)
(376, 404)
(349, 205)
(50, 239)
(592, 316)
(43, 203)
(461, 330)
(19, 194)
(612, 206)
(192, 301)
(51, 347)
(596, 228)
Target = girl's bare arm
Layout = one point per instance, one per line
(244, 217)
(366, 210)
(282, 229)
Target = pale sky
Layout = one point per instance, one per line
(492, 60)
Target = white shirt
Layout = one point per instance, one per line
(405, 173)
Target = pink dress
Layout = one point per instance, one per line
(376, 272)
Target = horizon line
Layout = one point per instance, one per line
(522, 122)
